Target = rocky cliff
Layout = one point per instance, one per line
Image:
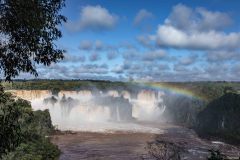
(221, 119)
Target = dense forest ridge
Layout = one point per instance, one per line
(205, 90)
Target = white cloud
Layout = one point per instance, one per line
(154, 55)
(196, 29)
(221, 55)
(118, 69)
(94, 57)
(146, 41)
(141, 16)
(213, 20)
(170, 36)
(95, 18)
(112, 55)
(91, 69)
(188, 60)
(73, 58)
(86, 45)
(99, 45)
(236, 71)
(186, 18)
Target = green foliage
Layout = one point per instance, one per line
(55, 91)
(37, 125)
(12, 113)
(38, 150)
(28, 29)
(216, 155)
(23, 131)
(205, 90)
(56, 85)
(221, 118)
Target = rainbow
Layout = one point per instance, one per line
(173, 88)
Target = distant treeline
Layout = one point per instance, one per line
(206, 90)
(62, 84)
(209, 90)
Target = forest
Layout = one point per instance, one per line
(24, 132)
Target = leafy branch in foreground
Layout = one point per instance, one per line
(28, 29)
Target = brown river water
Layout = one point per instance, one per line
(133, 145)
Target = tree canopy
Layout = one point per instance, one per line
(28, 32)
(23, 131)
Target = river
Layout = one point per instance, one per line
(135, 145)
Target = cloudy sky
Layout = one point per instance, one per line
(157, 40)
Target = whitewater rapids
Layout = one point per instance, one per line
(103, 112)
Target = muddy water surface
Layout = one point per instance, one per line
(87, 145)
(130, 145)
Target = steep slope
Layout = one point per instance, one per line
(221, 118)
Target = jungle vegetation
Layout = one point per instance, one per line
(23, 131)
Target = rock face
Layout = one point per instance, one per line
(52, 100)
(67, 104)
(113, 93)
(182, 110)
(31, 94)
(221, 118)
(120, 108)
(148, 105)
(74, 94)
(164, 150)
(126, 94)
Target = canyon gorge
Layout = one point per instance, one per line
(106, 124)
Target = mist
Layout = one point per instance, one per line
(96, 111)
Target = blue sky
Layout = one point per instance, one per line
(157, 40)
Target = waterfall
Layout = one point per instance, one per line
(83, 110)
(118, 116)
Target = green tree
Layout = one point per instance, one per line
(28, 30)
(39, 150)
(23, 131)
(12, 116)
